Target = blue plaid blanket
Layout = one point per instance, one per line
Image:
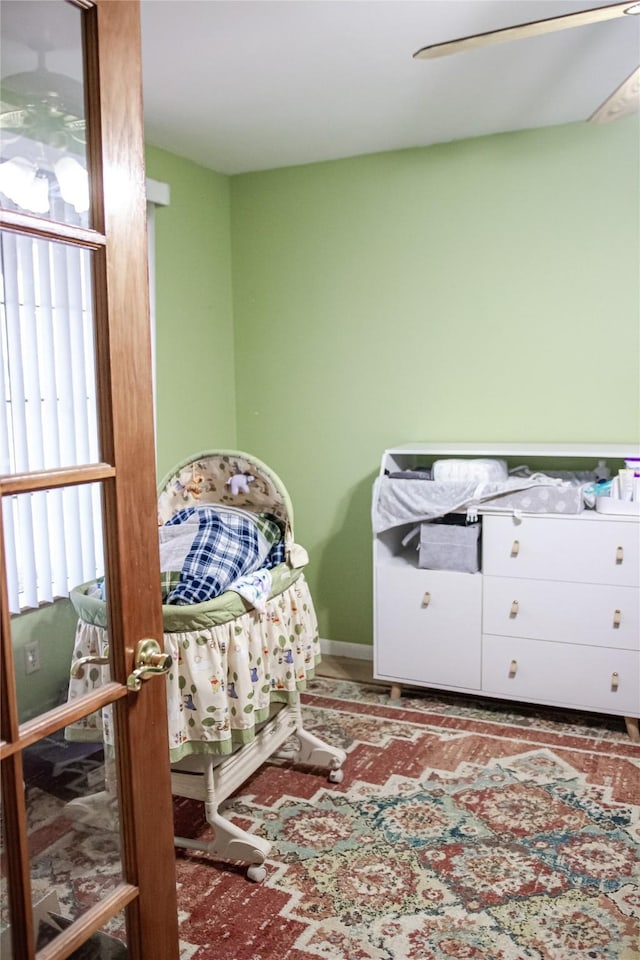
(227, 545)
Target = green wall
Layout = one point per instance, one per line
(479, 290)
(195, 380)
(53, 628)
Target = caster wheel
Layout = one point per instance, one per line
(257, 873)
(336, 776)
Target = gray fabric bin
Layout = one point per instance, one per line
(448, 546)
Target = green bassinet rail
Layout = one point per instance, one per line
(233, 690)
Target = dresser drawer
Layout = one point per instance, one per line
(564, 674)
(428, 626)
(565, 612)
(584, 550)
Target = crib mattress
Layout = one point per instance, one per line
(230, 664)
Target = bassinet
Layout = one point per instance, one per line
(233, 688)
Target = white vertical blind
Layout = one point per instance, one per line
(48, 410)
(48, 397)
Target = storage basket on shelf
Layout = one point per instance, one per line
(450, 546)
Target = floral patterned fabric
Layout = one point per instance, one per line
(224, 677)
(205, 479)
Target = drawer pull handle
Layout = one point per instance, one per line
(615, 681)
(616, 619)
(513, 668)
(515, 548)
(619, 555)
(515, 609)
(426, 600)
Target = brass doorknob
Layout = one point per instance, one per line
(149, 661)
(77, 667)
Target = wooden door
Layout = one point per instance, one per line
(125, 473)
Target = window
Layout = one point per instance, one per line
(48, 411)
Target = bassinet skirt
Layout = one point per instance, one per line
(230, 664)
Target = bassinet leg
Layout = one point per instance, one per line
(99, 810)
(230, 842)
(316, 753)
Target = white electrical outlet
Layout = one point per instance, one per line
(31, 657)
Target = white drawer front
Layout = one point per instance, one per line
(557, 548)
(599, 616)
(564, 674)
(427, 626)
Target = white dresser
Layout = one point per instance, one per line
(553, 616)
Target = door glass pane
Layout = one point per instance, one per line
(43, 163)
(5, 927)
(48, 405)
(107, 944)
(71, 793)
(71, 798)
(55, 564)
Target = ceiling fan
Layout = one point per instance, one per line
(622, 102)
(43, 105)
(43, 140)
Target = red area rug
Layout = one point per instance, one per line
(461, 830)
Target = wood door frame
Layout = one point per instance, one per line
(111, 33)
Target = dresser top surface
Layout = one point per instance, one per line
(615, 451)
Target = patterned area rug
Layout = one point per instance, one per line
(463, 830)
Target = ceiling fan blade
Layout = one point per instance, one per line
(622, 103)
(12, 119)
(523, 30)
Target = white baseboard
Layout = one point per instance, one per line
(338, 648)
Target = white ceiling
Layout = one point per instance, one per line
(241, 85)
